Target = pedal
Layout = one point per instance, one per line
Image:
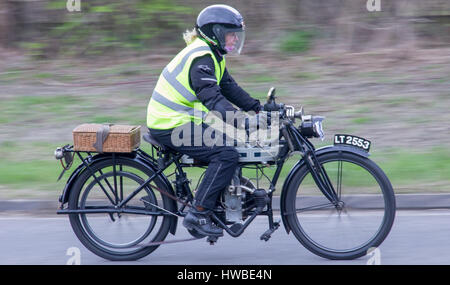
(236, 227)
(268, 234)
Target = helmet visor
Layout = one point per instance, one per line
(231, 39)
(234, 41)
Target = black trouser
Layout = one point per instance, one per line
(222, 161)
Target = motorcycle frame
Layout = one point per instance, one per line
(294, 141)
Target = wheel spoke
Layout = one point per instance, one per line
(115, 183)
(121, 183)
(316, 207)
(339, 179)
(103, 188)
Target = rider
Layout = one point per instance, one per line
(194, 82)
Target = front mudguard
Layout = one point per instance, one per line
(135, 156)
(300, 164)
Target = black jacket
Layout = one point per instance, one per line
(218, 97)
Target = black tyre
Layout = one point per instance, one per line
(365, 214)
(115, 236)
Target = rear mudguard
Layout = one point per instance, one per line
(135, 156)
(300, 164)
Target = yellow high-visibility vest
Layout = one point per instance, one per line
(173, 101)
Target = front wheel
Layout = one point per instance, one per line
(361, 219)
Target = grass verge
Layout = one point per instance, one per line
(30, 171)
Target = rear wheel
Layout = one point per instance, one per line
(112, 235)
(360, 221)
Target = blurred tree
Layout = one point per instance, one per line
(113, 26)
(10, 18)
(4, 23)
(107, 26)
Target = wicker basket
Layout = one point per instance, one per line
(113, 138)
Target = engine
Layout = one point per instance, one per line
(241, 197)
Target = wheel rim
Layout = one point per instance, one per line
(350, 225)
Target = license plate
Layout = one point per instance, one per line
(352, 141)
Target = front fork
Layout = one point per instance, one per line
(322, 180)
(317, 171)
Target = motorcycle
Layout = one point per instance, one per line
(336, 201)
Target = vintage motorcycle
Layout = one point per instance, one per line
(336, 201)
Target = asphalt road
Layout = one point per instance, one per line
(417, 237)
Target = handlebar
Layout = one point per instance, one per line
(310, 125)
(285, 110)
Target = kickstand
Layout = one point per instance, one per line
(268, 234)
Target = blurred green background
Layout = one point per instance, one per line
(383, 75)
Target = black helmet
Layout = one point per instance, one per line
(223, 27)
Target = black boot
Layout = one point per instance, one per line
(200, 221)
